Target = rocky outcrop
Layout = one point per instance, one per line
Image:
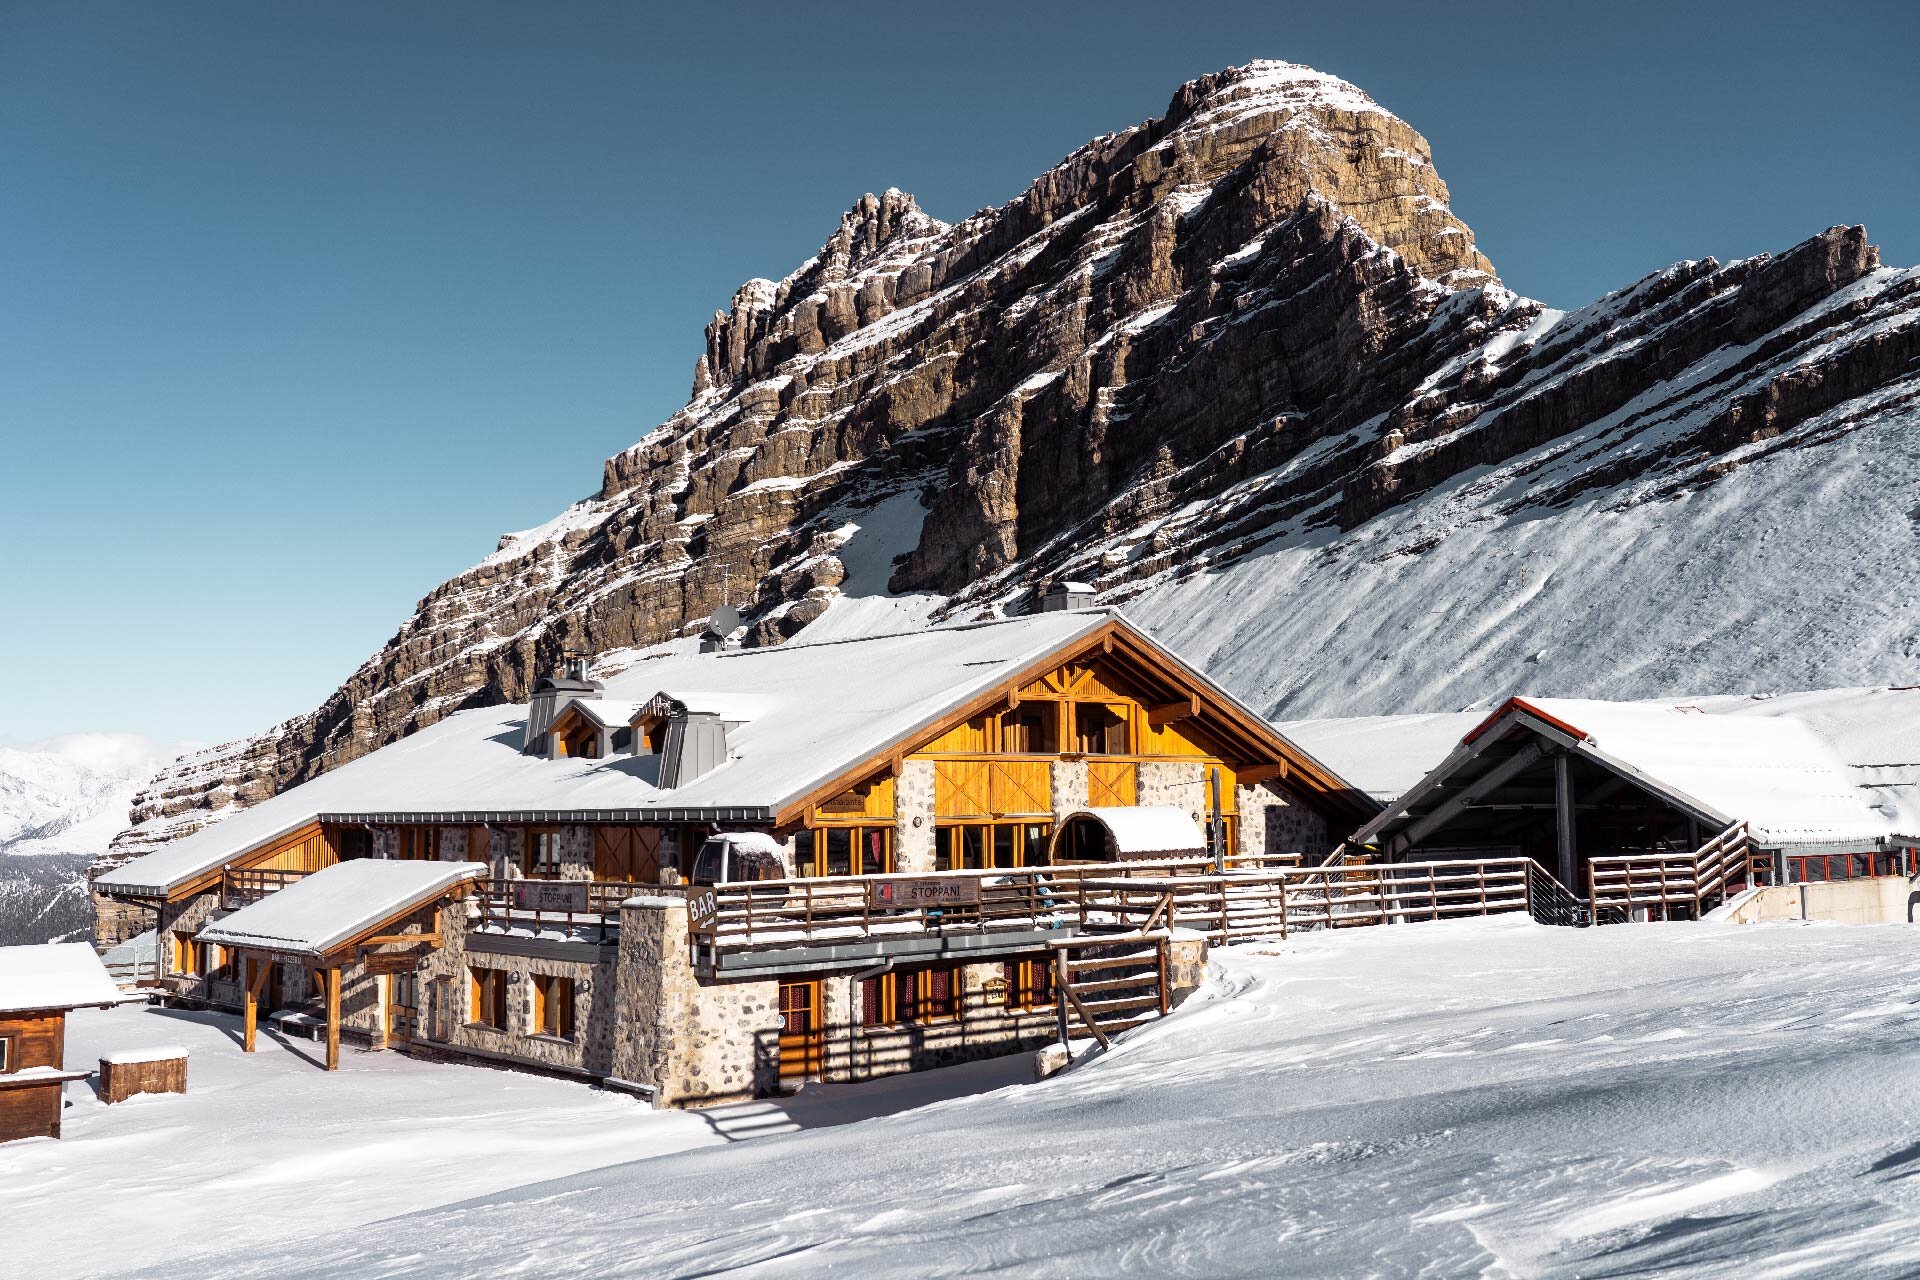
(1254, 318)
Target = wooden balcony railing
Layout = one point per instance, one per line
(240, 886)
(1690, 881)
(564, 904)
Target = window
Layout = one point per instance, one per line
(487, 1006)
(879, 1004)
(1099, 730)
(542, 853)
(843, 851)
(1030, 730)
(979, 846)
(553, 1005)
(930, 996)
(417, 844)
(1029, 984)
(186, 955)
(6, 1054)
(223, 964)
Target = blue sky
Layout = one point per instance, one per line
(301, 307)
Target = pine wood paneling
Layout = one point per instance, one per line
(1112, 783)
(960, 789)
(1019, 786)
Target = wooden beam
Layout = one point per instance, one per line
(1168, 712)
(1255, 774)
(333, 1018)
(387, 939)
(256, 979)
(1489, 782)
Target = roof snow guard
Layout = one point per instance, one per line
(321, 913)
(1774, 773)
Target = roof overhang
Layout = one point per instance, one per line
(1453, 780)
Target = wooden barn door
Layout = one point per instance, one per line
(803, 1031)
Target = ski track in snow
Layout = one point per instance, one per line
(1474, 1098)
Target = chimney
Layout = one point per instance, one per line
(696, 744)
(1064, 596)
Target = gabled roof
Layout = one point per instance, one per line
(605, 713)
(322, 912)
(1775, 773)
(806, 720)
(53, 975)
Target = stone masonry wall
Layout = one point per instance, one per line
(1068, 781)
(1181, 783)
(695, 1044)
(1273, 820)
(913, 832)
(576, 852)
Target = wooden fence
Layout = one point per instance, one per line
(240, 886)
(1688, 882)
(561, 903)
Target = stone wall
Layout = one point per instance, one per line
(1067, 779)
(913, 831)
(576, 852)
(386, 842)
(445, 994)
(1181, 783)
(1273, 821)
(693, 1044)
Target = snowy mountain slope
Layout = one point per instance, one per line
(1241, 367)
(62, 800)
(1474, 1098)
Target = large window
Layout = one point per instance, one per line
(930, 996)
(1099, 730)
(187, 955)
(6, 1054)
(1031, 730)
(553, 1005)
(843, 851)
(1841, 866)
(1029, 985)
(418, 844)
(487, 1003)
(986, 846)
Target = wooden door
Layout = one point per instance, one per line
(403, 1010)
(803, 1032)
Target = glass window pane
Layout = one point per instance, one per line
(839, 851)
(876, 850)
(1035, 840)
(1004, 853)
(973, 851)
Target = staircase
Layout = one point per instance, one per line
(1107, 984)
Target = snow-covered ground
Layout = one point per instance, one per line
(1478, 1098)
(268, 1150)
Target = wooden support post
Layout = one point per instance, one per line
(1563, 814)
(333, 1018)
(257, 971)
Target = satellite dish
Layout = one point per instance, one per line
(724, 620)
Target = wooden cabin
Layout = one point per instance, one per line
(1641, 809)
(39, 987)
(942, 759)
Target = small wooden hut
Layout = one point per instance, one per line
(39, 986)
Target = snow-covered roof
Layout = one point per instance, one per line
(1776, 773)
(806, 713)
(1148, 829)
(317, 913)
(1382, 755)
(53, 975)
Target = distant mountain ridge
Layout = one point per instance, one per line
(61, 802)
(1242, 368)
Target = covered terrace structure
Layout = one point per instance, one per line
(375, 917)
(1631, 805)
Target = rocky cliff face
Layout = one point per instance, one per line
(1254, 320)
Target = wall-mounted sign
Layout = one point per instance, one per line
(994, 991)
(930, 891)
(701, 906)
(550, 895)
(394, 961)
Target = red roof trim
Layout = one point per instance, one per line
(1521, 704)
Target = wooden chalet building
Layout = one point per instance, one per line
(904, 807)
(1636, 809)
(39, 986)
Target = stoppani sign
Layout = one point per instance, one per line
(929, 891)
